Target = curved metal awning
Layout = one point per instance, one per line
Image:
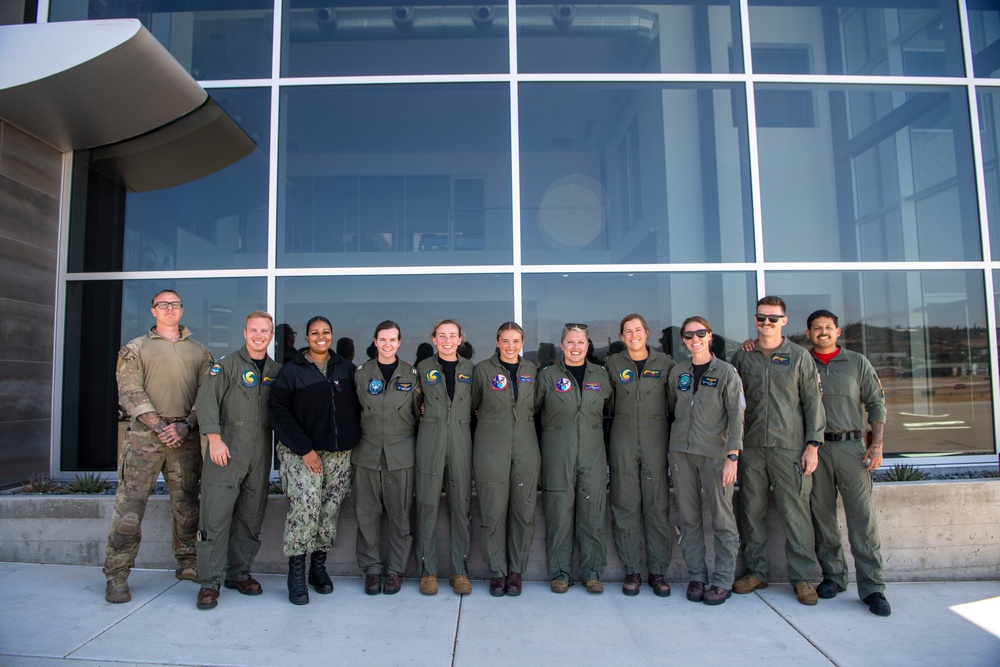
(111, 86)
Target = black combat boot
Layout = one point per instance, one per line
(297, 591)
(318, 578)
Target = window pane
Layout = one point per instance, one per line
(989, 125)
(356, 304)
(601, 300)
(984, 32)
(211, 39)
(324, 38)
(103, 316)
(216, 222)
(625, 173)
(877, 37)
(925, 334)
(682, 36)
(395, 175)
(878, 174)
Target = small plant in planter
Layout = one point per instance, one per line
(41, 484)
(89, 482)
(902, 472)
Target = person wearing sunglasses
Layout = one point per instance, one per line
(573, 395)
(705, 396)
(640, 491)
(444, 452)
(783, 430)
(158, 375)
(505, 459)
(384, 462)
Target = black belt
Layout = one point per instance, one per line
(841, 437)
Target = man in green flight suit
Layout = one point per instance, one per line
(783, 430)
(444, 443)
(846, 464)
(232, 408)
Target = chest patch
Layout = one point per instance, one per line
(267, 381)
(650, 373)
(404, 386)
(563, 385)
(780, 359)
(529, 379)
(463, 378)
(499, 381)
(709, 382)
(625, 376)
(684, 382)
(249, 379)
(433, 376)
(376, 387)
(592, 386)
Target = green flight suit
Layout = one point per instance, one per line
(849, 383)
(640, 491)
(444, 442)
(784, 411)
(708, 424)
(232, 402)
(383, 460)
(506, 462)
(574, 468)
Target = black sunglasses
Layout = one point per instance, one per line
(688, 335)
(773, 319)
(574, 325)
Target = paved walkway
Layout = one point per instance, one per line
(56, 615)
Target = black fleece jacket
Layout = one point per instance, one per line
(309, 411)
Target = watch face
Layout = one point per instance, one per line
(733, 457)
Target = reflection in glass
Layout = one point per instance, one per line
(984, 34)
(616, 172)
(395, 175)
(681, 36)
(216, 222)
(323, 38)
(355, 304)
(876, 37)
(601, 300)
(219, 39)
(925, 333)
(879, 174)
(101, 316)
(989, 125)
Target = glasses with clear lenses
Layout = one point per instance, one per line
(773, 319)
(688, 335)
(163, 305)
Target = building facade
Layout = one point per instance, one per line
(554, 163)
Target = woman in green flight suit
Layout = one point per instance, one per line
(573, 395)
(505, 459)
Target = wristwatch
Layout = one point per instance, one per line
(733, 457)
(814, 443)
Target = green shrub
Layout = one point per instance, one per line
(41, 483)
(902, 472)
(88, 482)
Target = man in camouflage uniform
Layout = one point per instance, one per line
(232, 410)
(158, 378)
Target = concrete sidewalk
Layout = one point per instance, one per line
(56, 614)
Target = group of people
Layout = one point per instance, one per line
(392, 433)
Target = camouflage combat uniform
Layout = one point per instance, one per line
(157, 375)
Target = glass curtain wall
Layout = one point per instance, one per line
(556, 163)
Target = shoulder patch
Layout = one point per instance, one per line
(215, 369)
